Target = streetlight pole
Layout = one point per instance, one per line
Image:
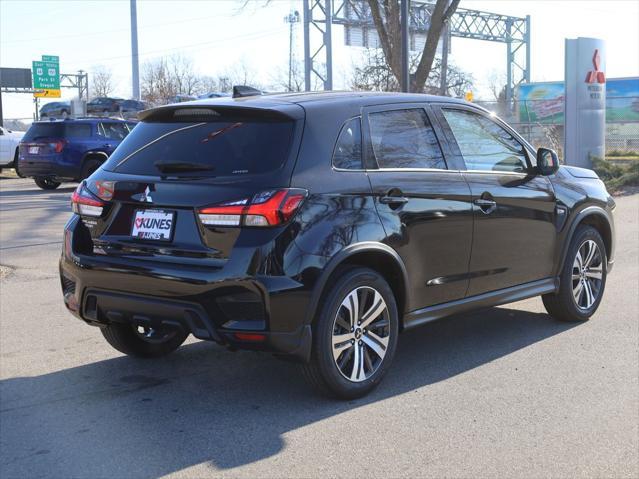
(135, 65)
(292, 18)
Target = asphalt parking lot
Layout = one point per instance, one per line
(503, 392)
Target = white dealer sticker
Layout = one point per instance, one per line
(152, 224)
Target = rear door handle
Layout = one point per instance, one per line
(393, 200)
(487, 206)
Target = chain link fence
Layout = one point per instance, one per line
(541, 122)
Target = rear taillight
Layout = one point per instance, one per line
(268, 208)
(58, 145)
(84, 203)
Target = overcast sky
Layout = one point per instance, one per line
(217, 35)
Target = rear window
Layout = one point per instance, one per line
(230, 148)
(57, 130)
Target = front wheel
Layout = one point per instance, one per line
(354, 336)
(582, 280)
(143, 342)
(46, 184)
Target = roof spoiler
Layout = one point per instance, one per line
(243, 90)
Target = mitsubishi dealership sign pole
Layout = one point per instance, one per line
(585, 101)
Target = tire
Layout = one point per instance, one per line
(15, 165)
(89, 167)
(355, 368)
(126, 339)
(582, 280)
(46, 184)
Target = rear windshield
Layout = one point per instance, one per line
(57, 130)
(227, 148)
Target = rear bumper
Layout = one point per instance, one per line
(257, 312)
(52, 169)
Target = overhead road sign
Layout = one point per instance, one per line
(46, 77)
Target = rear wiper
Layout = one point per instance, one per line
(181, 166)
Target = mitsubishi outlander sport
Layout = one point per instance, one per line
(319, 226)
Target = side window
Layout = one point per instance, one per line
(404, 139)
(348, 150)
(115, 131)
(484, 144)
(77, 131)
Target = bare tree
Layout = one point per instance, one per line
(280, 78)
(386, 16)
(374, 73)
(101, 82)
(166, 77)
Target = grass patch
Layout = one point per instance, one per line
(617, 176)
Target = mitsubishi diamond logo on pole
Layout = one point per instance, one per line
(596, 76)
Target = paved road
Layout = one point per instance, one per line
(506, 392)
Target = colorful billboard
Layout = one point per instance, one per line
(543, 102)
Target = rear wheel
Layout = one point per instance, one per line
(143, 342)
(354, 336)
(89, 167)
(582, 280)
(46, 184)
(15, 164)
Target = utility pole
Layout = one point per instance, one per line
(405, 19)
(292, 18)
(135, 65)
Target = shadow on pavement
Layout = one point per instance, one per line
(124, 417)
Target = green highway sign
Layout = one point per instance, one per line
(46, 76)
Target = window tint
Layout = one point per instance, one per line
(348, 150)
(77, 131)
(484, 144)
(57, 130)
(404, 139)
(116, 131)
(229, 147)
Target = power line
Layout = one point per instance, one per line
(249, 36)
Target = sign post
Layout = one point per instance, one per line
(585, 101)
(46, 77)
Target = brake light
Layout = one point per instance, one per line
(84, 203)
(252, 337)
(268, 208)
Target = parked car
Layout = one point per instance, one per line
(68, 150)
(9, 141)
(56, 109)
(130, 108)
(319, 226)
(104, 106)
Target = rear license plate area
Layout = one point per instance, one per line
(33, 150)
(155, 225)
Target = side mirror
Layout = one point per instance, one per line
(547, 162)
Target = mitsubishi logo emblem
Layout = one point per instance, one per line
(596, 76)
(146, 197)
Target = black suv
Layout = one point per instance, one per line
(103, 106)
(318, 226)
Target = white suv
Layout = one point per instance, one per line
(9, 147)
